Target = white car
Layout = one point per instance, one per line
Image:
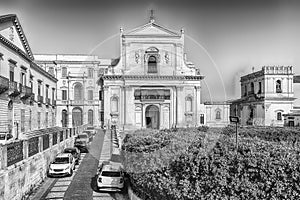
(63, 164)
(110, 178)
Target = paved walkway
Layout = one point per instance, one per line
(83, 183)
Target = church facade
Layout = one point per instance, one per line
(151, 84)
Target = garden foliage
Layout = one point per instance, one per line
(192, 164)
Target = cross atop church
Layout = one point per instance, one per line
(152, 16)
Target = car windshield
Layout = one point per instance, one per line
(61, 161)
(69, 151)
(90, 128)
(82, 136)
(111, 174)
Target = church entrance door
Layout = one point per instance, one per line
(152, 117)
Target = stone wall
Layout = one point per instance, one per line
(17, 180)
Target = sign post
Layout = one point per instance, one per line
(235, 120)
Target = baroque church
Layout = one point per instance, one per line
(151, 84)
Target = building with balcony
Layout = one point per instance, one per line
(79, 96)
(266, 96)
(23, 84)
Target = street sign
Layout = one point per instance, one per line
(234, 119)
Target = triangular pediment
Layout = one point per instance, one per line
(12, 33)
(151, 29)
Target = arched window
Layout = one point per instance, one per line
(64, 118)
(245, 92)
(278, 86)
(152, 64)
(189, 104)
(279, 116)
(114, 104)
(90, 117)
(78, 91)
(218, 114)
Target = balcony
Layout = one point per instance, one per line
(4, 84)
(278, 90)
(32, 96)
(13, 89)
(47, 101)
(25, 91)
(77, 102)
(53, 102)
(40, 99)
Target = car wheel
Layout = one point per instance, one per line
(71, 172)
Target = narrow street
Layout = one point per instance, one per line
(82, 184)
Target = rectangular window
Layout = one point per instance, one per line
(53, 93)
(90, 73)
(259, 88)
(22, 120)
(39, 88)
(53, 119)
(39, 120)
(51, 70)
(201, 118)
(30, 118)
(64, 72)
(64, 95)
(47, 91)
(46, 119)
(100, 95)
(90, 95)
(23, 78)
(11, 76)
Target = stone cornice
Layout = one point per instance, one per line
(42, 71)
(151, 77)
(14, 48)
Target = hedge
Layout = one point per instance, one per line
(191, 164)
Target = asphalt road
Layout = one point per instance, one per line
(82, 184)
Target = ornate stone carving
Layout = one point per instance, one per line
(167, 57)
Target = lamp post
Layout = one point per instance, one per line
(235, 120)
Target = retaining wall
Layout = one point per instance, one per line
(18, 179)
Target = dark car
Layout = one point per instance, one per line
(82, 146)
(75, 152)
(91, 129)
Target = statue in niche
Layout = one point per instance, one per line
(167, 57)
(137, 57)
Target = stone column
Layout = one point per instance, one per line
(106, 99)
(197, 105)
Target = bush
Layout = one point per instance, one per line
(199, 165)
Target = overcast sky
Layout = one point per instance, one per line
(225, 39)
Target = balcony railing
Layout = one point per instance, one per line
(278, 90)
(53, 102)
(77, 102)
(40, 99)
(48, 101)
(13, 88)
(32, 97)
(22, 88)
(4, 84)
(28, 91)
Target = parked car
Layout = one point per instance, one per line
(85, 137)
(75, 152)
(91, 129)
(82, 146)
(4, 136)
(110, 177)
(89, 133)
(63, 164)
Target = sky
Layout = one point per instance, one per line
(225, 39)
